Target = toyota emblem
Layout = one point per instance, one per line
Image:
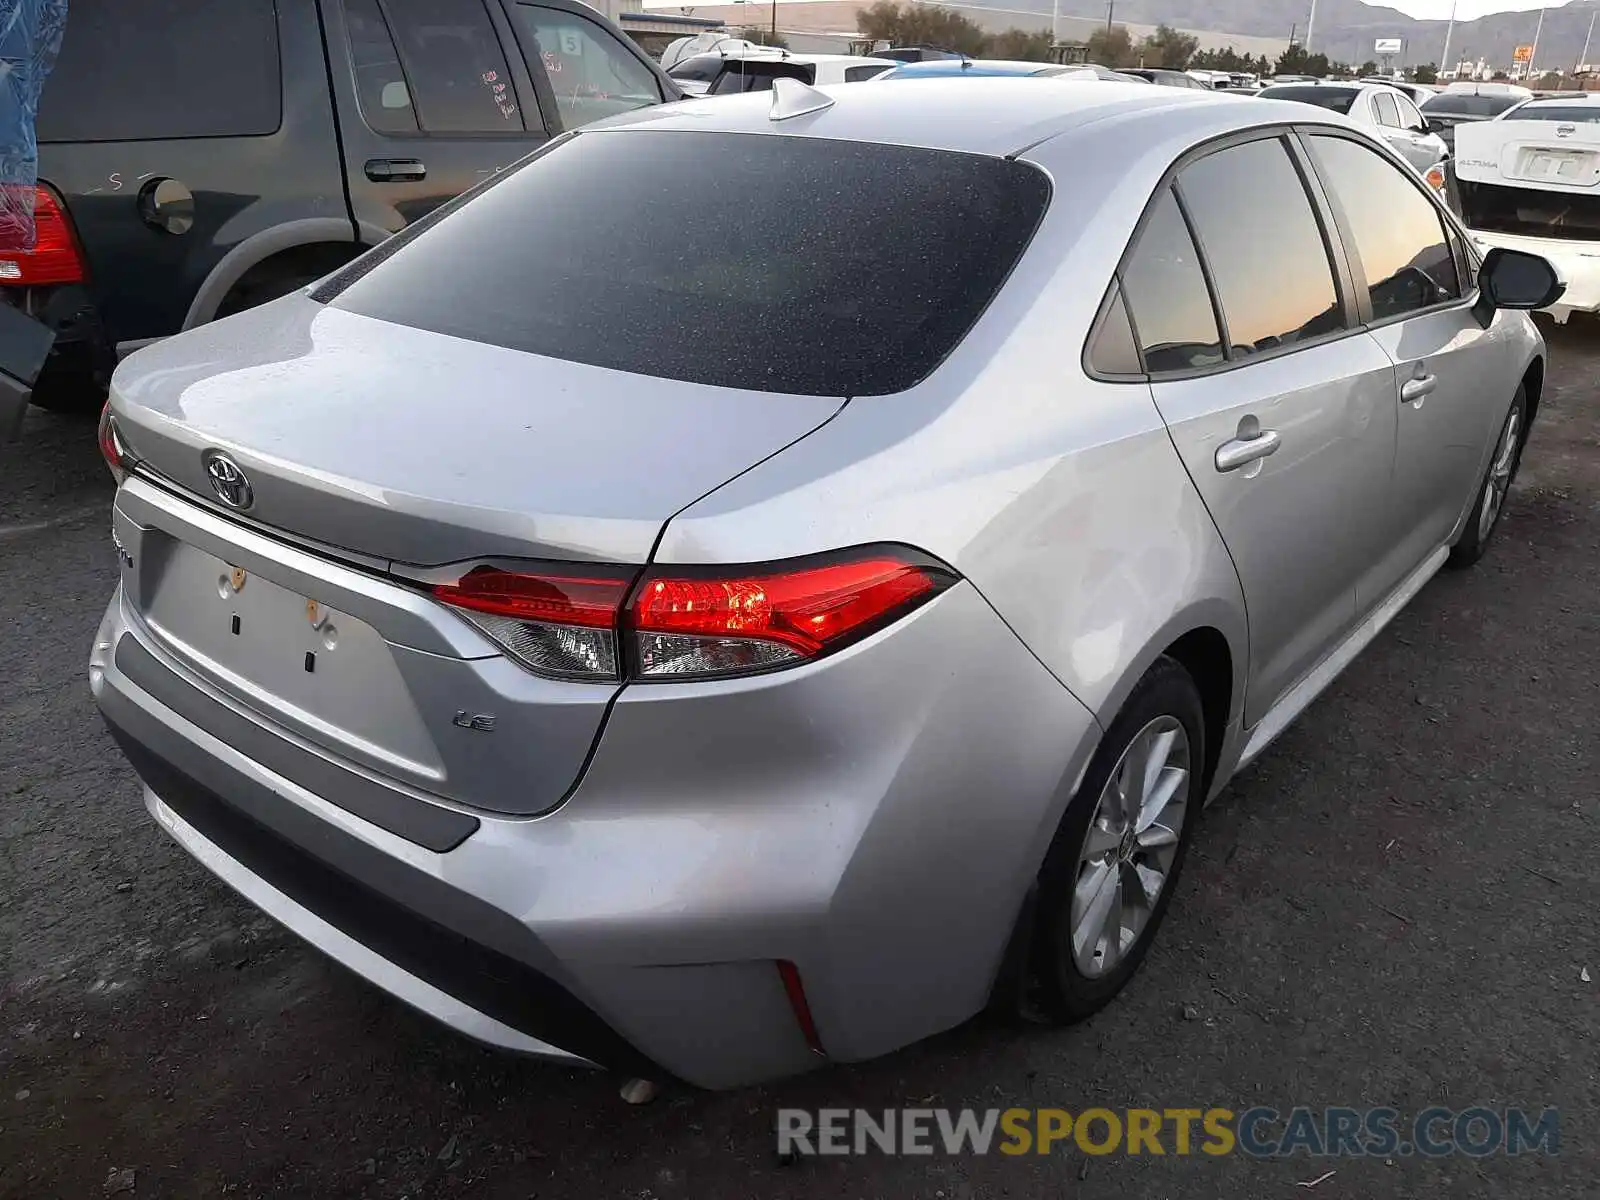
(227, 480)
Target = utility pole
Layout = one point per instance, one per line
(1583, 58)
(1111, 7)
(1055, 24)
(1311, 25)
(774, 33)
(1449, 29)
(1533, 53)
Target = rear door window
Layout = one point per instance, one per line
(861, 290)
(592, 74)
(1399, 234)
(381, 88)
(163, 69)
(1262, 240)
(1410, 118)
(1388, 114)
(455, 66)
(1166, 294)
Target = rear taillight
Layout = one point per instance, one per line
(692, 622)
(112, 448)
(558, 623)
(54, 256)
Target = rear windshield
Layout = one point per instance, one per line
(771, 263)
(702, 69)
(1337, 99)
(1463, 104)
(1576, 114)
(741, 76)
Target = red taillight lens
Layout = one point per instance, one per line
(719, 622)
(54, 256)
(559, 622)
(694, 622)
(111, 446)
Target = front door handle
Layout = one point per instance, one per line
(1416, 389)
(390, 170)
(1241, 452)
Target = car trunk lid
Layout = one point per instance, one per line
(376, 447)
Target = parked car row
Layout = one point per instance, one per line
(760, 634)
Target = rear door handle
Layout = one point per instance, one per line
(1241, 452)
(1416, 389)
(388, 170)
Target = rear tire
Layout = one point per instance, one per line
(1111, 870)
(1495, 486)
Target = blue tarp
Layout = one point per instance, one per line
(30, 39)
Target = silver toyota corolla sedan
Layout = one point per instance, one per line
(768, 577)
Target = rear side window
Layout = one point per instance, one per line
(1166, 294)
(164, 69)
(1264, 245)
(1399, 235)
(455, 66)
(1410, 118)
(380, 83)
(740, 76)
(1388, 113)
(861, 290)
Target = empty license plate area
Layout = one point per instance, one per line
(1549, 165)
(315, 670)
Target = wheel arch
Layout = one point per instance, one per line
(259, 249)
(1533, 386)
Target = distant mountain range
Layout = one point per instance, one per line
(1346, 29)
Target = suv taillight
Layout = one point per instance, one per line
(54, 257)
(684, 623)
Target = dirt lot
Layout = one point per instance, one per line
(1393, 907)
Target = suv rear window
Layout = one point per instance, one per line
(855, 277)
(164, 69)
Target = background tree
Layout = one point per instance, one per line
(1295, 61)
(922, 25)
(1424, 73)
(1168, 47)
(1368, 68)
(1020, 45)
(1112, 47)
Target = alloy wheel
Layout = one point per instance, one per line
(1131, 845)
(1499, 481)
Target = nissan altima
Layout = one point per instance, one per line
(768, 578)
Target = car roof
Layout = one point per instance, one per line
(1484, 88)
(997, 116)
(970, 67)
(773, 54)
(1564, 100)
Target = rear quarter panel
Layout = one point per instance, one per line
(1061, 498)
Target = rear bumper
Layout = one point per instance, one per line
(1577, 262)
(875, 819)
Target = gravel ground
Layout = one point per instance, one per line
(1395, 906)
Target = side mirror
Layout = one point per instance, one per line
(1516, 279)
